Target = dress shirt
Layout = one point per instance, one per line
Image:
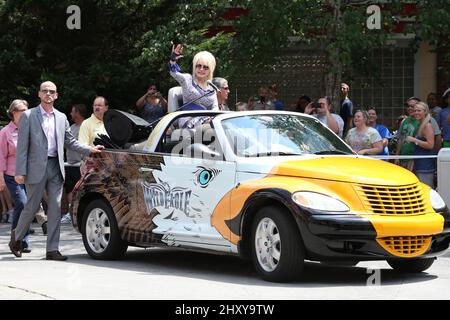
(90, 129)
(49, 126)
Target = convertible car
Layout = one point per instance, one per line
(275, 187)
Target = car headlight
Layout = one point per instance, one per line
(319, 201)
(436, 200)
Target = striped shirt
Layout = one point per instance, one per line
(192, 90)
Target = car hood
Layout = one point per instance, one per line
(342, 168)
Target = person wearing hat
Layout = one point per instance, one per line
(444, 119)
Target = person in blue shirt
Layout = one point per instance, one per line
(273, 93)
(152, 105)
(382, 130)
(443, 119)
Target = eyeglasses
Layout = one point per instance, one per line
(20, 110)
(226, 88)
(46, 91)
(201, 66)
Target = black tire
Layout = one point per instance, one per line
(411, 266)
(291, 249)
(112, 247)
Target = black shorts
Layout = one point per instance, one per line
(72, 176)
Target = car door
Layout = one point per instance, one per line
(191, 183)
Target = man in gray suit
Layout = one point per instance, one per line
(43, 133)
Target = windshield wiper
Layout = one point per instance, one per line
(331, 152)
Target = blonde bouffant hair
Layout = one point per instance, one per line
(208, 59)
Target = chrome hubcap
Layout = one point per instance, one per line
(98, 230)
(268, 244)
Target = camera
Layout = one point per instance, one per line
(316, 105)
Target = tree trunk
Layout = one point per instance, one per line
(333, 76)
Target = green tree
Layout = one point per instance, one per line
(338, 27)
(124, 44)
(120, 48)
(188, 23)
(36, 45)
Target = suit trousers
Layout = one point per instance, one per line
(53, 183)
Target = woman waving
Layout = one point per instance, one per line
(195, 86)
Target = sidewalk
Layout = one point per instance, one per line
(70, 243)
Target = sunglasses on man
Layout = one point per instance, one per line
(46, 91)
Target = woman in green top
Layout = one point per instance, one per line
(408, 128)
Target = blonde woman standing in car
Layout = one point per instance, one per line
(195, 85)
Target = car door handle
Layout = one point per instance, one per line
(145, 170)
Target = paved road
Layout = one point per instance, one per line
(179, 275)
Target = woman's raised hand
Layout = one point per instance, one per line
(176, 53)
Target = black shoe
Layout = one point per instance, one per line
(31, 231)
(26, 250)
(15, 245)
(44, 228)
(56, 256)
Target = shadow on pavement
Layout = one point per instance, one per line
(195, 265)
(234, 270)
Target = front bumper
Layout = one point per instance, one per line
(354, 238)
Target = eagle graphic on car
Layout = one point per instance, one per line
(181, 210)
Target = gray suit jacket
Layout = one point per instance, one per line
(32, 145)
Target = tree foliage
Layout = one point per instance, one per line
(124, 44)
(121, 47)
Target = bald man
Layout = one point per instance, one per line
(43, 133)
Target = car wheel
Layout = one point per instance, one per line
(411, 266)
(100, 233)
(277, 248)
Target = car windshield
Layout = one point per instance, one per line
(279, 135)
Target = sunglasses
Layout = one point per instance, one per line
(201, 66)
(46, 91)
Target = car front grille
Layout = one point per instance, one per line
(401, 200)
(406, 247)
